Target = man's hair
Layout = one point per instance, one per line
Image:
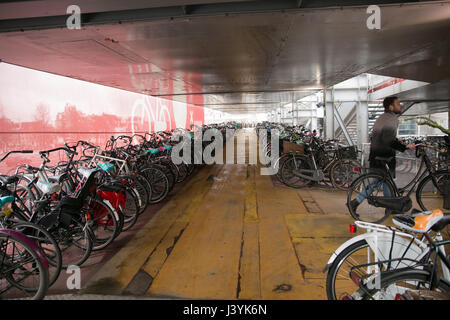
(388, 101)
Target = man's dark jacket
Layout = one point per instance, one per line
(384, 141)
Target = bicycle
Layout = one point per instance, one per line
(369, 186)
(17, 220)
(23, 266)
(322, 162)
(385, 262)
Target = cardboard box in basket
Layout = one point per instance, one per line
(292, 147)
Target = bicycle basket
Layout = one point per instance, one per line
(350, 152)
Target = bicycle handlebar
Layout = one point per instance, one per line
(57, 149)
(15, 151)
(44, 154)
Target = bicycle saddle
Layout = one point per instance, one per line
(419, 222)
(384, 159)
(6, 200)
(111, 188)
(107, 167)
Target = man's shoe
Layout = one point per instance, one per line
(353, 206)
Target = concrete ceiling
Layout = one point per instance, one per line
(432, 98)
(250, 56)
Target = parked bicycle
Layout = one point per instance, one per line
(393, 263)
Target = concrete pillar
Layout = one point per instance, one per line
(329, 117)
(362, 111)
(313, 123)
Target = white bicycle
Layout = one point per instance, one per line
(366, 266)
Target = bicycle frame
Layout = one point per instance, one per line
(425, 169)
(438, 247)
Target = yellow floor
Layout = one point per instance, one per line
(231, 233)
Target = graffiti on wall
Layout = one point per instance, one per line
(32, 118)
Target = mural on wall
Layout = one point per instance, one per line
(40, 111)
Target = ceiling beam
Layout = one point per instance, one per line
(173, 12)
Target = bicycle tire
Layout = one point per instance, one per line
(142, 196)
(43, 272)
(106, 221)
(409, 275)
(60, 233)
(147, 185)
(333, 174)
(290, 163)
(356, 184)
(165, 167)
(55, 260)
(130, 218)
(159, 183)
(421, 187)
(331, 275)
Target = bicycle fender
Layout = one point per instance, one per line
(341, 248)
(109, 205)
(381, 243)
(29, 242)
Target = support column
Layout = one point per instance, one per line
(292, 108)
(362, 111)
(313, 123)
(329, 117)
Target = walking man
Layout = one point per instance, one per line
(383, 143)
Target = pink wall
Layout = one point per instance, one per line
(40, 111)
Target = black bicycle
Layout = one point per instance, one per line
(373, 196)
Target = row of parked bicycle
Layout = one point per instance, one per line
(54, 216)
(306, 159)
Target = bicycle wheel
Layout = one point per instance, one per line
(165, 167)
(75, 240)
(338, 281)
(146, 183)
(103, 222)
(139, 188)
(191, 168)
(45, 241)
(408, 281)
(290, 170)
(22, 274)
(342, 280)
(182, 172)
(430, 191)
(171, 166)
(278, 164)
(369, 185)
(131, 210)
(342, 173)
(159, 183)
